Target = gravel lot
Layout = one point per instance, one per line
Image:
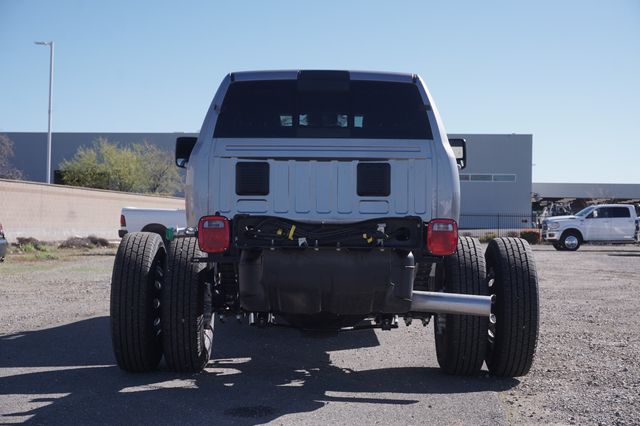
(56, 362)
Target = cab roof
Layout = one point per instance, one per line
(322, 75)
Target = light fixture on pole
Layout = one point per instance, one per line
(50, 44)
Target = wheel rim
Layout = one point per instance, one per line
(571, 242)
(157, 282)
(491, 332)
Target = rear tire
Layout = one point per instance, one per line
(136, 281)
(461, 339)
(187, 323)
(512, 277)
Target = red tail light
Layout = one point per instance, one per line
(213, 234)
(442, 237)
(123, 221)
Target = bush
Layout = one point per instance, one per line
(488, 237)
(89, 242)
(513, 234)
(29, 245)
(97, 241)
(532, 236)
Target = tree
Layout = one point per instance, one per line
(7, 171)
(159, 169)
(140, 168)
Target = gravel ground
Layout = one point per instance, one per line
(587, 369)
(55, 359)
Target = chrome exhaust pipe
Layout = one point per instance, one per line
(451, 303)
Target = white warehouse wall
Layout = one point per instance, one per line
(501, 155)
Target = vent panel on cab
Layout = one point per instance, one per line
(252, 178)
(374, 179)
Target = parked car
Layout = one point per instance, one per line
(604, 223)
(133, 219)
(3, 244)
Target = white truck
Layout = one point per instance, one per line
(135, 219)
(604, 223)
(323, 200)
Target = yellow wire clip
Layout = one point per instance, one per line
(291, 231)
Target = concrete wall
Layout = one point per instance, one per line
(53, 212)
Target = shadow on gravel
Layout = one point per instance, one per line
(627, 254)
(256, 376)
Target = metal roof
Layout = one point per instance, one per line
(602, 191)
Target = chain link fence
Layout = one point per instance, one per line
(488, 226)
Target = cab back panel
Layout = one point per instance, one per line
(322, 180)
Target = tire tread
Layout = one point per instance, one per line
(517, 310)
(134, 344)
(184, 348)
(462, 350)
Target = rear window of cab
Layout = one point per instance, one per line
(323, 109)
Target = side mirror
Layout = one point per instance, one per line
(184, 146)
(459, 147)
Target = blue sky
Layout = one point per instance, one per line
(566, 71)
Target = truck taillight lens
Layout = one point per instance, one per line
(213, 234)
(123, 221)
(442, 237)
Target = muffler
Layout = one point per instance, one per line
(451, 303)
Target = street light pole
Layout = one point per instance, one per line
(51, 47)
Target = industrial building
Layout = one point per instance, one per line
(496, 184)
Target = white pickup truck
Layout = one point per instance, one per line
(605, 223)
(133, 219)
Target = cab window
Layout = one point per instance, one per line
(323, 109)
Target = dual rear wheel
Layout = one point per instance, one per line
(160, 304)
(463, 342)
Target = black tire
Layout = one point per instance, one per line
(512, 277)
(461, 339)
(558, 246)
(136, 282)
(187, 325)
(570, 240)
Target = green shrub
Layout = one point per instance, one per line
(532, 236)
(30, 245)
(488, 237)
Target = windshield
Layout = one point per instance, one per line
(585, 211)
(323, 109)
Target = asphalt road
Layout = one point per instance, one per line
(57, 367)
